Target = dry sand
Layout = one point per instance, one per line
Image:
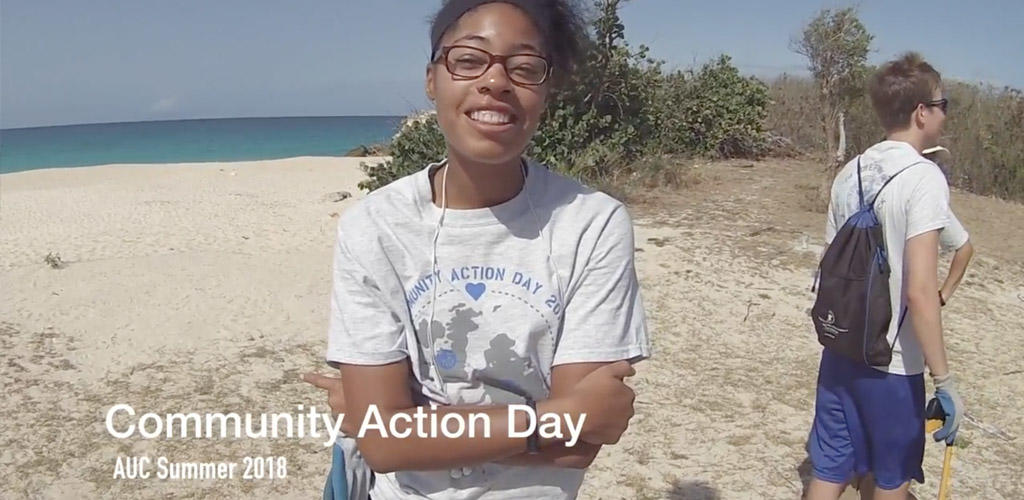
(204, 288)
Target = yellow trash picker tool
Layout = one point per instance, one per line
(934, 419)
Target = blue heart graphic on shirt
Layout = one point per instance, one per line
(475, 290)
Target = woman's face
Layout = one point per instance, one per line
(489, 119)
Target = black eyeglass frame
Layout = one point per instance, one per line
(942, 104)
(492, 60)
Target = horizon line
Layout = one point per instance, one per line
(203, 119)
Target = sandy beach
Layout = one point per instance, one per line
(204, 287)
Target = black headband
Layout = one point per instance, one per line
(454, 9)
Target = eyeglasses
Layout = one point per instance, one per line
(942, 104)
(467, 63)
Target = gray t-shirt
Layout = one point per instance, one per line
(500, 322)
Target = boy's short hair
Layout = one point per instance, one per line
(899, 86)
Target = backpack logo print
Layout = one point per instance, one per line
(829, 326)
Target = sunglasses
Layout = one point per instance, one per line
(942, 104)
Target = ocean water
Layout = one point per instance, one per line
(228, 139)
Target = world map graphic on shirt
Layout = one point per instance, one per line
(487, 321)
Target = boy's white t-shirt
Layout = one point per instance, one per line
(501, 321)
(915, 202)
(953, 236)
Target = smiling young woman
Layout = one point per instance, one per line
(486, 280)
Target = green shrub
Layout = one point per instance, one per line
(418, 144)
(601, 120)
(836, 45)
(714, 110)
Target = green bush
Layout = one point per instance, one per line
(715, 110)
(418, 144)
(601, 120)
(836, 45)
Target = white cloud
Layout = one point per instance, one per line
(165, 104)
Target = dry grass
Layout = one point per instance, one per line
(983, 131)
(638, 181)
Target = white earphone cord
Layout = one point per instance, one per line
(540, 229)
(436, 278)
(465, 471)
(434, 267)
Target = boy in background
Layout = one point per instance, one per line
(869, 421)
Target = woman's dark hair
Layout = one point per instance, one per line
(559, 22)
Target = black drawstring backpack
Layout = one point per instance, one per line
(852, 310)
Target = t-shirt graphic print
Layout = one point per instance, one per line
(544, 279)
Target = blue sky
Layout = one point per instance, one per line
(76, 61)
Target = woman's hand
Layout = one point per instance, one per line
(335, 398)
(606, 400)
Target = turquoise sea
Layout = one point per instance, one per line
(227, 139)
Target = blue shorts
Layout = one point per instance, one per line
(865, 421)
